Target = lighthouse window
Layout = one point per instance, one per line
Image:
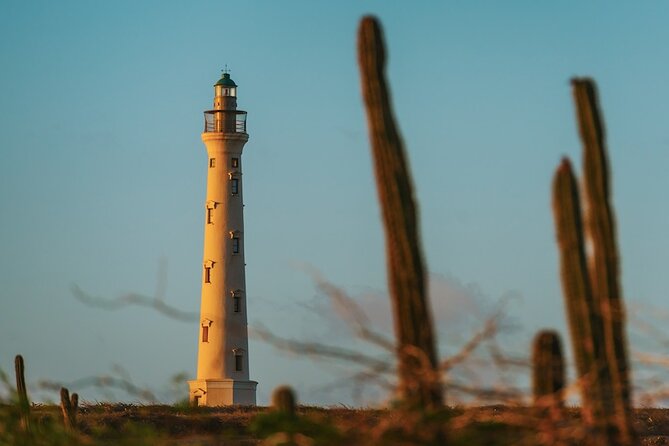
(234, 186)
(237, 304)
(235, 245)
(212, 162)
(205, 333)
(238, 362)
(211, 205)
(207, 274)
(234, 162)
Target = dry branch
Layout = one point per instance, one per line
(130, 299)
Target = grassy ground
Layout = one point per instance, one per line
(121, 424)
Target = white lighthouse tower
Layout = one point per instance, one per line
(223, 352)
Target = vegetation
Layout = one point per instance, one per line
(548, 375)
(419, 377)
(591, 283)
(593, 301)
(23, 405)
(69, 407)
(126, 424)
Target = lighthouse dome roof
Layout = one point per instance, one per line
(226, 81)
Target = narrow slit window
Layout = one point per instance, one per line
(234, 186)
(207, 274)
(239, 362)
(237, 304)
(234, 162)
(212, 162)
(205, 333)
(235, 245)
(210, 216)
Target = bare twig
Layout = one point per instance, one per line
(352, 314)
(488, 331)
(102, 382)
(133, 299)
(320, 350)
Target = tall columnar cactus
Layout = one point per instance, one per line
(547, 370)
(582, 314)
(22, 392)
(419, 378)
(604, 265)
(69, 407)
(591, 285)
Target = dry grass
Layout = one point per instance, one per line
(489, 425)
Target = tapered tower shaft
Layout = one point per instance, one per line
(223, 364)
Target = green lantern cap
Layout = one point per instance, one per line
(226, 81)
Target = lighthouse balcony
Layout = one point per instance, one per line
(225, 121)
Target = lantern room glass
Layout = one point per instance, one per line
(221, 90)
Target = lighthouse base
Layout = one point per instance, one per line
(222, 392)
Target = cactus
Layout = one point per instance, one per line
(22, 392)
(69, 407)
(419, 377)
(591, 286)
(583, 317)
(283, 400)
(604, 265)
(74, 401)
(547, 370)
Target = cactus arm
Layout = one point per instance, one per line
(604, 262)
(74, 406)
(66, 407)
(582, 315)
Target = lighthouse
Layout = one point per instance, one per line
(223, 351)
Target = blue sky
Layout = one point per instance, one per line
(102, 171)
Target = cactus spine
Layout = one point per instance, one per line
(283, 400)
(22, 392)
(591, 285)
(69, 407)
(419, 378)
(547, 370)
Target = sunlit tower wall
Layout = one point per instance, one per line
(223, 359)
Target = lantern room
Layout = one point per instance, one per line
(225, 118)
(225, 93)
(225, 86)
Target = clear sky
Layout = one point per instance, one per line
(102, 170)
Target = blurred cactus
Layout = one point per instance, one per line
(419, 377)
(604, 265)
(22, 392)
(283, 400)
(583, 316)
(547, 370)
(591, 285)
(69, 407)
